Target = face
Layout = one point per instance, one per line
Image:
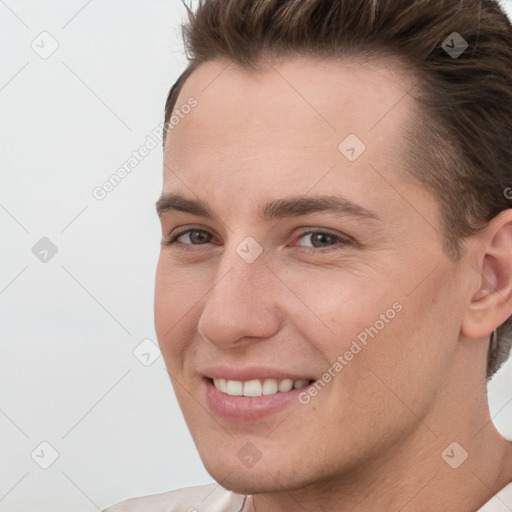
(313, 264)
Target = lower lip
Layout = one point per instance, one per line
(248, 408)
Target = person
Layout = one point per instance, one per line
(334, 287)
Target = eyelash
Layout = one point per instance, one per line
(344, 240)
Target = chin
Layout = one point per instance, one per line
(263, 477)
(253, 483)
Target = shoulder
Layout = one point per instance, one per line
(188, 499)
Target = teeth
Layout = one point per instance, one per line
(270, 386)
(253, 388)
(220, 384)
(234, 387)
(257, 387)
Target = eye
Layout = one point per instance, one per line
(198, 235)
(319, 239)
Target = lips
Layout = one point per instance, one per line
(249, 394)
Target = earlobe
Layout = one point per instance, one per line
(491, 305)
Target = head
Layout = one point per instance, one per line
(348, 124)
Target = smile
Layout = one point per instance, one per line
(257, 387)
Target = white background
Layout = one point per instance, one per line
(69, 326)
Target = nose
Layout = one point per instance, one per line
(242, 303)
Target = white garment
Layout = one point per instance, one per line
(203, 498)
(501, 502)
(214, 498)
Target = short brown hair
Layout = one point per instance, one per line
(460, 143)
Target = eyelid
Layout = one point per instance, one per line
(168, 240)
(343, 240)
(342, 243)
(327, 231)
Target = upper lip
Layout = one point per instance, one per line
(251, 373)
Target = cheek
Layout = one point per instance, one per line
(406, 362)
(381, 325)
(338, 306)
(174, 302)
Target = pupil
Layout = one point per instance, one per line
(318, 237)
(198, 235)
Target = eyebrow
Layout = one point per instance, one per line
(293, 206)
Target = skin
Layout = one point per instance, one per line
(372, 439)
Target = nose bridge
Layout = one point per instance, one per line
(239, 304)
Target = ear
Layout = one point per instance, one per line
(491, 305)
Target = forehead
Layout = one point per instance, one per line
(308, 98)
(285, 123)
